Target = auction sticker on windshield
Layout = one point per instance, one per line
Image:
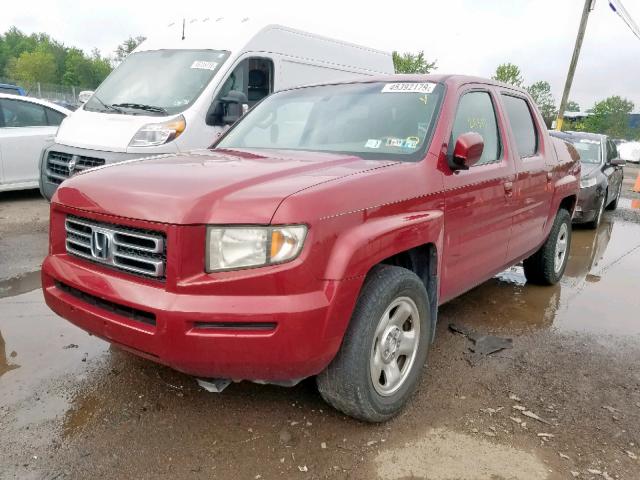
(204, 65)
(409, 87)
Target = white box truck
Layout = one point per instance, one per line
(179, 90)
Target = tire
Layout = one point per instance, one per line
(541, 267)
(595, 223)
(614, 204)
(348, 382)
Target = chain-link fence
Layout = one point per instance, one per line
(47, 91)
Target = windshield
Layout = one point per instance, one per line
(156, 82)
(371, 120)
(589, 150)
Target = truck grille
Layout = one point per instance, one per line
(138, 251)
(61, 165)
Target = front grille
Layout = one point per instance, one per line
(61, 165)
(138, 251)
(122, 310)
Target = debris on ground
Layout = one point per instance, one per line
(631, 455)
(514, 397)
(483, 345)
(71, 345)
(303, 468)
(214, 385)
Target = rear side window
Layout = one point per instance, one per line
(17, 113)
(54, 117)
(522, 125)
(476, 114)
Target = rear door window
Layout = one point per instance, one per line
(54, 117)
(477, 114)
(17, 113)
(522, 125)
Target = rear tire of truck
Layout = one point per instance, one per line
(379, 364)
(547, 265)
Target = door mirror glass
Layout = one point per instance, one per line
(467, 151)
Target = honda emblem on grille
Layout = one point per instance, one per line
(100, 245)
(72, 164)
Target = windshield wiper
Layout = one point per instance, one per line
(113, 108)
(141, 106)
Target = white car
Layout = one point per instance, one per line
(27, 125)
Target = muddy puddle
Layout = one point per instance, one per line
(598, 294)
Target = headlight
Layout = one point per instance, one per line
(232, 248)
(158, 133)
(588, 182)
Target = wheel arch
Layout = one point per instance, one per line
(423, 261)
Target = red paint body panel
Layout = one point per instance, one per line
(358, 212)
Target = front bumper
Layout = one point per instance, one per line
(588, 204)
(216, 335)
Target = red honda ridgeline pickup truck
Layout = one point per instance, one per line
(318, 236)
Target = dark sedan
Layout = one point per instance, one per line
(601, 180)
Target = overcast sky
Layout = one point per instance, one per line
(465, 36)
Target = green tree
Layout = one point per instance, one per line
(32, 67)
(610, 117)
(541, 94)
(572, 106)
(126, 47)
(509, 73)
(412, 63)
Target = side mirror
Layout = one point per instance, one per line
(84, 96)
(228, 109)
(617, 162)
(467, 151)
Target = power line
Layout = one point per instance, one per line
(618, 8)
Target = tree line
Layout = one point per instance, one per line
(37, 57)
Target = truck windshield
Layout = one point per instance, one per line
(589, 150)
(370, 120)
(156, 82)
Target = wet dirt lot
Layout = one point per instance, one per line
(71, 406)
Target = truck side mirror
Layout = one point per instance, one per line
(617, 162)
(228, 109)
(467, 151)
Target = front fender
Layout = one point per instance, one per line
(356, 250)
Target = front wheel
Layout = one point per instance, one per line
(595, 223)
(384, 349)
(613, 205)
(547, 265)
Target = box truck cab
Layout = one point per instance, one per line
(179, 90)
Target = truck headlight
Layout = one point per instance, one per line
(153, 134)
(588, 182)
(232, 248)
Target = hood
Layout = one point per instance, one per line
(101, 131)
(206, 186)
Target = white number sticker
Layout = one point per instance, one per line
(413, 87)
(203, 65)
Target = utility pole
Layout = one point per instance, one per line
(588, 6)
